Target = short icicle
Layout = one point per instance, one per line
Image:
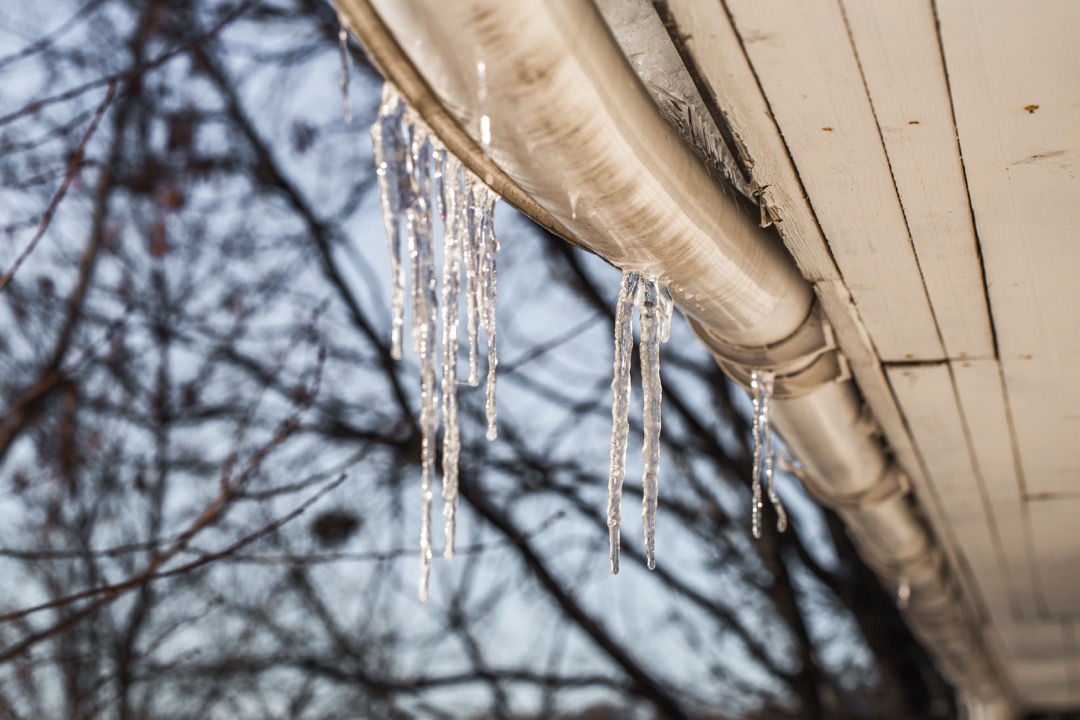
(761, 388)
(343, 79)
(425, 317)
(652, 318)
(667, 307)
(620, 411)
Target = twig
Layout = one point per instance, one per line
(320, 558)
(69, 177)
(113, 591)
(133, 72)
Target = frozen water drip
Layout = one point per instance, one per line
(414, 168)
(654, 306)
(343, 78)
(620, 411)
(761, 390)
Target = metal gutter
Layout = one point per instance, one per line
(577, 143)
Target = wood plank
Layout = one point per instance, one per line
(706, 32)
(1044, 394)
(898, 52)
(869, 375)
(1014, 72)
(1036, 655)
(1057, 545)
(1072, 649)
(982, 401)
(804, 61)
(928, 401)
(857, 347)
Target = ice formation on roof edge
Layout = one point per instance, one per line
(414, 169)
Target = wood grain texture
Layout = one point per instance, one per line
(898, 52)
(1038, 656)
(705, 31)
(1014, 71)
(870, 376)
(1053, 525)
(982, 402)
(927, 398)
(805, 63)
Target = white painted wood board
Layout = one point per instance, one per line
(869, 375)
(858, 348)
(718, 56)
(1057, 546)
(1044, 396)
(1036, 655)
(804, 61)
(1014, 73)
(982, 402)
(900, 58)
(927, 398)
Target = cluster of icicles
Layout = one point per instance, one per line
(654, 306)
(413, 167)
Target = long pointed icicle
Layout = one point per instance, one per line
(416, 172)
(654, 307)
(620, 411)
(426, 314)
(490, 249)
(654, 317)
(761, 388)
(451, 285)
(420, 236)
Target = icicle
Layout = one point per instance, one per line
(490, 248)
(761, 387)
(438, 160)
(413, 167)
(620, 411)
(472, 280)
(667, 307)
(650, 318)
(388, 139)
(654, 307)
(451, 287)
(343, 81)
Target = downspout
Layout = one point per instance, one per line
(577, 144)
